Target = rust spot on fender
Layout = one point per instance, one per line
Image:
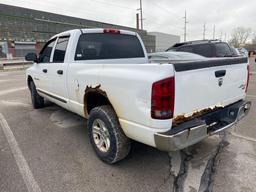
(182, 118)
(94, 89)
(90, 89)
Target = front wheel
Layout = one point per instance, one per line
(37, 100)
(106, 136)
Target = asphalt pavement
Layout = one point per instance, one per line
(49, 150)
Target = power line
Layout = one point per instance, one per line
(164, 8)
(167, 27)
(94, 14)
(115, 5)
(161, 23)
(148, 15)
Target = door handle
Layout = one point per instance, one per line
(45, 70)
(220, 73)
(60, 72)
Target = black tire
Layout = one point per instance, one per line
(120, 145)
(37, 100)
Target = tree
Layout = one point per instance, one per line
(240, 36)
(254, 38)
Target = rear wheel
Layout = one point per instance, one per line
(37, 100)
(106, 136)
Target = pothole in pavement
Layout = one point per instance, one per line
(65, 119)
(192, 169)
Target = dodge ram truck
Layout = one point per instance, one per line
(104, 75)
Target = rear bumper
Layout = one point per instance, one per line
(195, 130)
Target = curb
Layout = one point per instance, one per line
(14, 69)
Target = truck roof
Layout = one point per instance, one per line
(96, 30)
(197, 42)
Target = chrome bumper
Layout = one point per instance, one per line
(195, 130)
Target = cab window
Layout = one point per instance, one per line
(45, 54)
(60, 49)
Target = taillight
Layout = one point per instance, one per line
(115, 31)
(162, 99)
(248, 78)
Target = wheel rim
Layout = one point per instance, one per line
(101, 135)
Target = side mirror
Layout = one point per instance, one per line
(31, 57)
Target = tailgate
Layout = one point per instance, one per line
(204, 85)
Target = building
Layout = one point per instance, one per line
(164, 41)
(25, 30)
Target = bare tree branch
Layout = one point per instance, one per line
(240, 36)
(254, 38)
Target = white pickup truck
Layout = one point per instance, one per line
(104, 75)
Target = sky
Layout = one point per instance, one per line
(159, 15)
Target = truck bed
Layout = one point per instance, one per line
(203, 86)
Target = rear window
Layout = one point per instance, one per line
(223, 50)
(186, 49)
(92, 46)
(204, 50)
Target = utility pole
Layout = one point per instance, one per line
(141, 15)
(137, 21)
(204, 31)
(185, 26)
(213, 36)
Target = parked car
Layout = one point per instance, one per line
(206, 48)
(243, 51)
(104, 75)
(235, 51)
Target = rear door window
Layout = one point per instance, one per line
(60, 49)
(45, 54)
(223, 50)
(93, 46)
